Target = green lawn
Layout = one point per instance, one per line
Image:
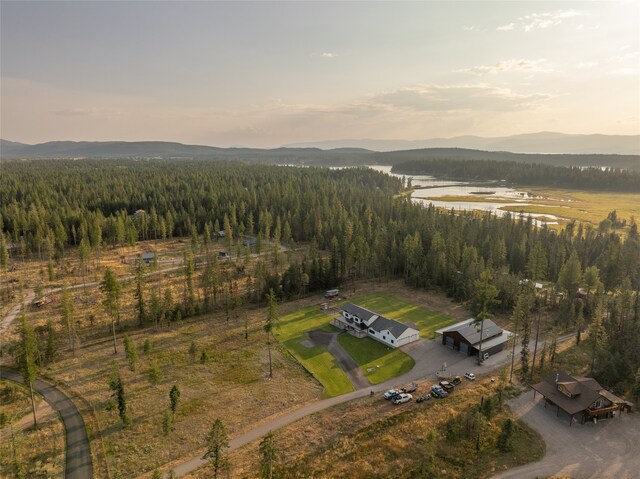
(426, 321)
(377, 361)
(384, 363)
(317, 360)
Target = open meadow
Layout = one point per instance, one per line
(588, 207)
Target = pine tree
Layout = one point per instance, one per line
(486, 295)
(27, 358)
(67, 318)
(117, 386)
(130, 352)
(270, 322)
(174, 398)
(112, 290)
(268, 456)
(139, 291)
(217, 442)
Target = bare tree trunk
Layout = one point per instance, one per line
(113, 329)
(270, 366)
(535, 347)
(33, 405)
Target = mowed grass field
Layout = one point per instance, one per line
(425, 320)
(317, 360)
(378, 362)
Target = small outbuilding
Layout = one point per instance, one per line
(467, 338)
(148, 257)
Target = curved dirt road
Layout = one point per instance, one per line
(6, 322)
(78, 463)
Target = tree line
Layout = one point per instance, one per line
(355, 222)
(538, 174)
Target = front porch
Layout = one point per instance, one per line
(341, 323)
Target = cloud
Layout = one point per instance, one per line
(470, 28)
(329, 55)
(508, 65)
(95, 112)
(585, 65)
(507, 27)
(457, 98)
(539, 21)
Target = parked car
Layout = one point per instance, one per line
(439, 392)
(470, 376)
(391, 393)
(447, 386)
(402, 398)
(424, 397)
(409, 388)
(457, 380)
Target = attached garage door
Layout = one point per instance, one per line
(464, 348)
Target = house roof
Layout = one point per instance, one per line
(380, 323)
(394, 327)
(362, 313)
(585, 392)
(471, 332)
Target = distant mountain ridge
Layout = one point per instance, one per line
(542, 142)
(308, 156)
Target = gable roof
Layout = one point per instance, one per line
(380, 323)
(363, 313)
(394, 327)
(471, 332)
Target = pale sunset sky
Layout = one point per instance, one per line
(266, 74)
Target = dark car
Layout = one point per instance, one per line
(457, 380)
(424, 397)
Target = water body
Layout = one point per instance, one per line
(428, 187)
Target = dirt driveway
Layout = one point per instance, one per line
(609, 449)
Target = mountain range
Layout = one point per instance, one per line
(310, 156)
(542, 142)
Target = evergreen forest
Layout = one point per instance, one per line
(357, 224)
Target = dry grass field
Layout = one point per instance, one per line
(587, 207)
(371, 438)
(24, 450)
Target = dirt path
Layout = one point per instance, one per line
(608, 449)
(345, 361)
(6, 322)
(78, 463)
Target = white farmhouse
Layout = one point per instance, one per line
(361, 322)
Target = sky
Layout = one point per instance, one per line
(266, 74)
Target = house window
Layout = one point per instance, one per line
(384, 337)
(392, 341)
(372, 331)
(597, 404)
